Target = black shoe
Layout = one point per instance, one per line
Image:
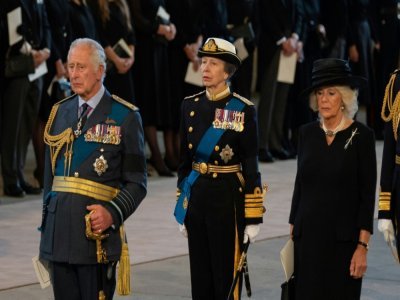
(161, 169)
(165, 173)
(265, 156)
(14, 191)
(31, 190)
(280, 154)
(39, 177)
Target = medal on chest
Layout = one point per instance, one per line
(104, 133)
(228, 119)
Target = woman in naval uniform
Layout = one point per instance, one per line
(220, 196)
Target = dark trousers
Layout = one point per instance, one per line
(20, 109)
(272, 106)
(212, 237)
(81, 282)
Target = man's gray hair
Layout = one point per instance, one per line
(349, 98)
(97, 51)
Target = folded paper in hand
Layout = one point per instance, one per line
(241, 49)
(162, 14)
(122, 49)
(14, 20)
(192, 76)
(287, 68)
(287, 259)
(42, 272)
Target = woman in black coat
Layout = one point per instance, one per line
(154, 31)
(114, 24)
(334, 195)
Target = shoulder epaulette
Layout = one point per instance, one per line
(391, 102)
(65, 99)
(247, 101)
(192, 96)
(124, 102)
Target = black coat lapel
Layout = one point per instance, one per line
(27, 8)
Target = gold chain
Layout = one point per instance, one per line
(56, 142)
(393, 107)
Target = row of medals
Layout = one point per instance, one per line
(103, 133)
(229, 119)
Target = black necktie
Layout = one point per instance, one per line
(84, 114)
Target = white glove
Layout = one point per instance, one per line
(250, 233)
(182, 229)
(386, 227)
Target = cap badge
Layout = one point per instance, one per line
(210, 46)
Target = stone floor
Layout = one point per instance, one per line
(160, 267)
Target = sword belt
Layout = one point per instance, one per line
(204, 168)
(84, 187)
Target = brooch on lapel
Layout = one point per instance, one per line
(229, 119)
(104, 133)
(349, 141)
(100, 165)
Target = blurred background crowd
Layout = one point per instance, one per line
(160, 38)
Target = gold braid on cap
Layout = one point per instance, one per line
(56, 142)
(393, 107)
(210, 46)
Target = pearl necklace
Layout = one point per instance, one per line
(332, 133)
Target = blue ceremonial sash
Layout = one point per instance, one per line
(203, 152)
(82, 149)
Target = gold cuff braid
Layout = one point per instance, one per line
(384, 200)
(253, 203)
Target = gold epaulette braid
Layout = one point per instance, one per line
(391, 108)
(56, 142)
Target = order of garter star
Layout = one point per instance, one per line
(226, 154)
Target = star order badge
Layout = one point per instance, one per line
(226, 154)
(100, 165)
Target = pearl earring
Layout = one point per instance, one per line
(342, 107)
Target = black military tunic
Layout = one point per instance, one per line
(389, 196)
(221, 204)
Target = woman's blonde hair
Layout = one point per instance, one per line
(349, 98)
(104, 11)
